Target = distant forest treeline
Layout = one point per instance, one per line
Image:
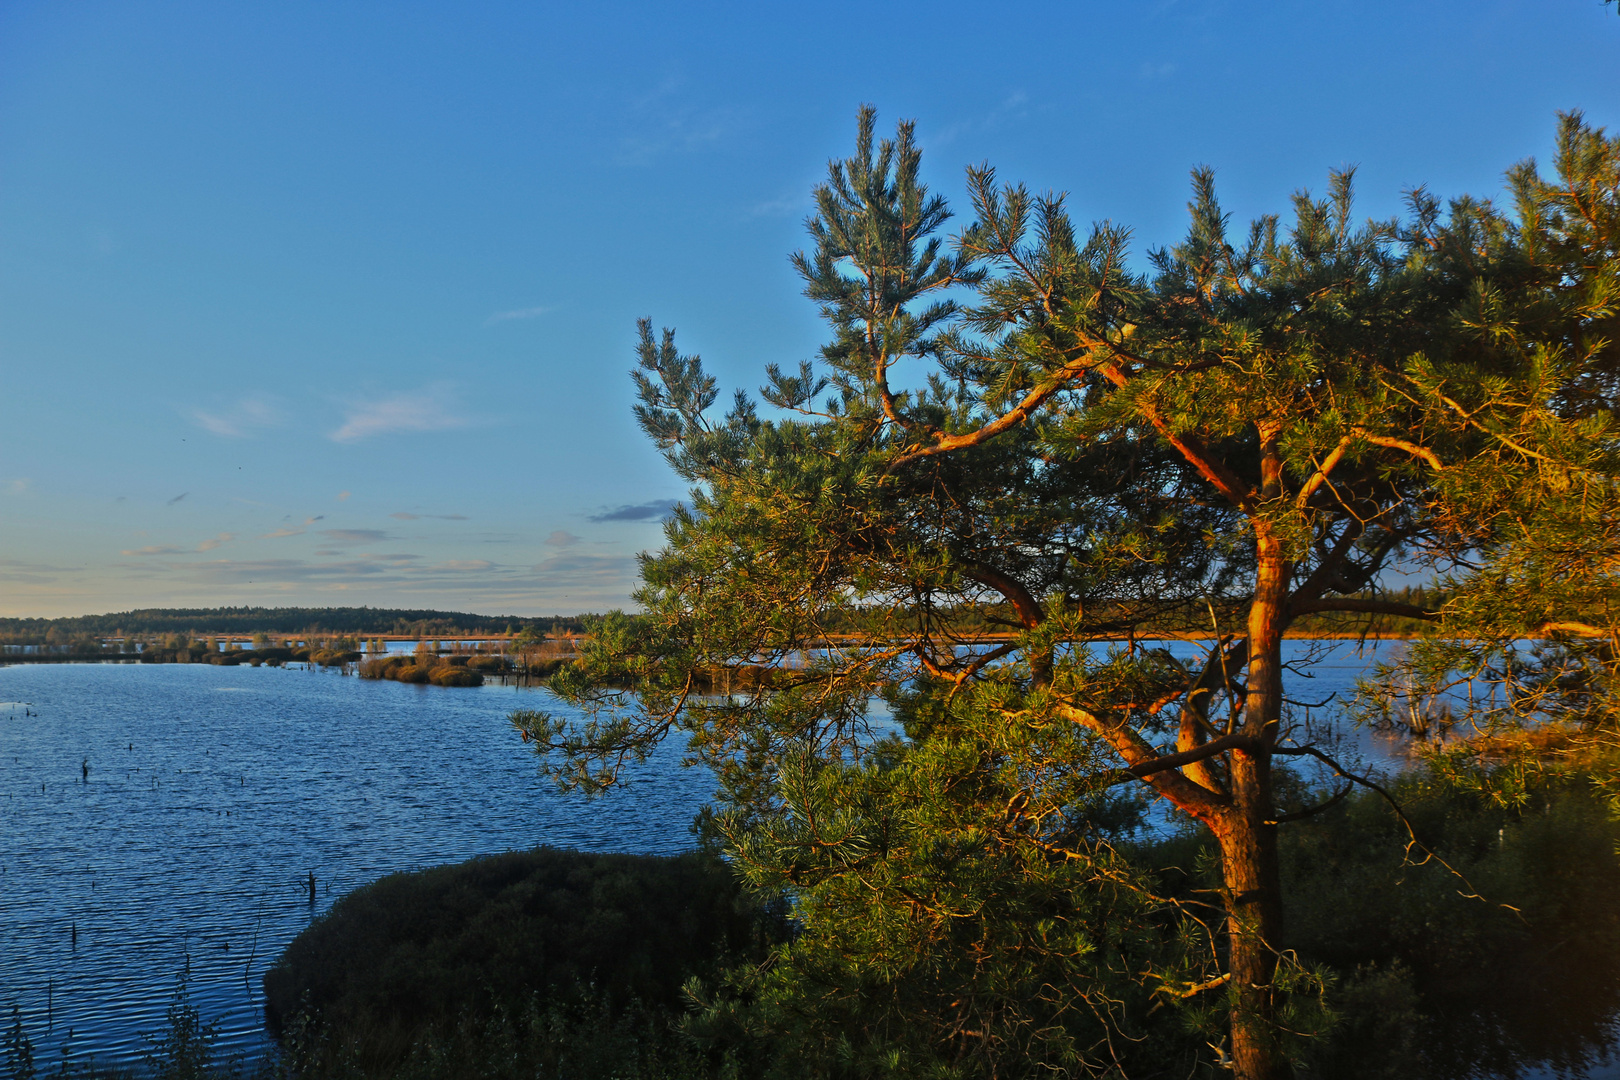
(320, 623)
(1108, 619)
(308, 622)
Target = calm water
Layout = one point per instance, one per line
(214, 792)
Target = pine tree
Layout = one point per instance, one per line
(1018, 429)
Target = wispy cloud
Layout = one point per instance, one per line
(280, 533)
(313, 520)
(792, 205)
(561, 538)
(415, 411)
(177, 498)
(404, 515)
(247, 417)
(566, 581)
(214, 542)
(19, 486)
(586, 573)
(152, 549)
(647, 511)
(354, 536)
(661, 124)
(520, 313)
(399, 558)
(1013, 107)
(31, 573)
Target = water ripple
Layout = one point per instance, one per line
(213, 793)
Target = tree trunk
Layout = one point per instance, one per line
(1254, 918)
(1248, 839)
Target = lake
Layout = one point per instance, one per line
(214, 792)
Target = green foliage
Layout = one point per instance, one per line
(1548, 568)
(1021, 430)
(427, 955)
(959, 909)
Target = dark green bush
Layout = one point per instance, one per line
(420, 956)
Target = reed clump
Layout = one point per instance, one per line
(439, 671)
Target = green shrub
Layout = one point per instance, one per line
(418, 957)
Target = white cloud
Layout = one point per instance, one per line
(561, 538)
(421, 410)
(247, 417)
(520, 313)
(211, 544)
(282, 532)
(19, 486)
(152, 549)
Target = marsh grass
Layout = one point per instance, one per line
(423, 668)
(182, 1050)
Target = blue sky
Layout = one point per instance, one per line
(334, 303)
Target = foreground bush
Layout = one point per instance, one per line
(514, 945)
